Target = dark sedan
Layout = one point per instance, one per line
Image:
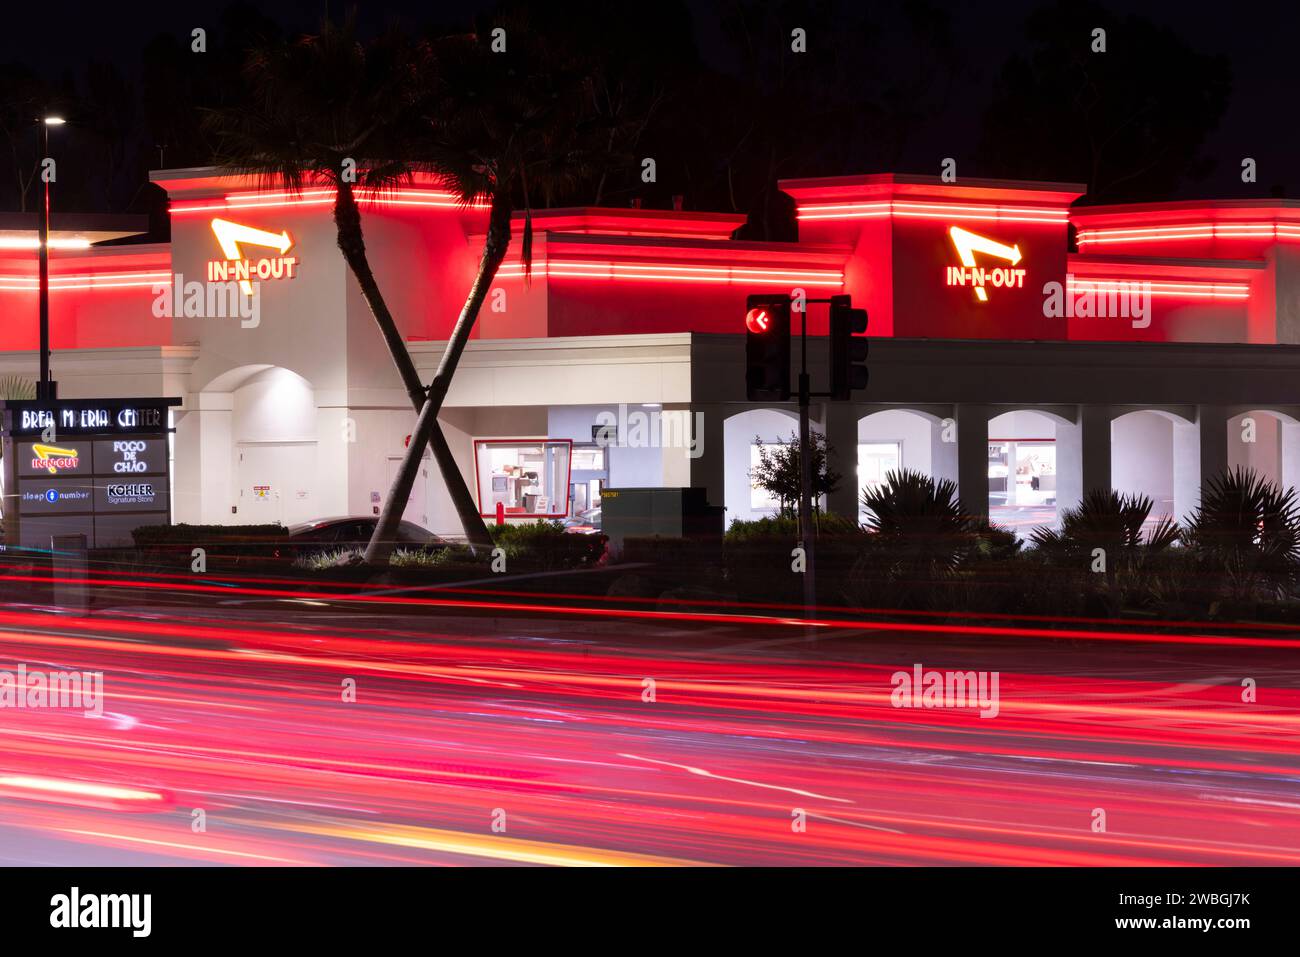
(353, 533)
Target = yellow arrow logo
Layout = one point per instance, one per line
(232, 235)
(968, 244)
(47, 452)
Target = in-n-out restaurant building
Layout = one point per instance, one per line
(622, 363)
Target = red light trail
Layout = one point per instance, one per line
(460, 713)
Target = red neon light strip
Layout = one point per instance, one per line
(1138, 234)
(88, 281)
(1188, 290)
(676, 272)
(323, 197)
(1014, 214)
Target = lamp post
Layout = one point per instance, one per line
(46, 389)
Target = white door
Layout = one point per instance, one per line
(417, 506)
(275, 482)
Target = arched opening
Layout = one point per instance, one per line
(1267, 442)
(742, 436)
(893, 439)
(1157, 453)
(250, 450)
(1024, 480)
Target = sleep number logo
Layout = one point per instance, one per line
(53, 496)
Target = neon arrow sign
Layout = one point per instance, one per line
(967, 245)
(231, 236)
(53, 458)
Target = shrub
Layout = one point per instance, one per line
(430, 557)
(660, 550)
(147, 536)
(757, 555)
(1107, 527)
(1247, 531)
(787, 527)
(228, 544)
(325, 560)
(779, 470)
(917, 535)
(547, 545)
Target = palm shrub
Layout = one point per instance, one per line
(1101, 542)
(1246, 534)
(918, 534)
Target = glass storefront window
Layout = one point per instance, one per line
(875, 461)
(526, 477)
(760, 499)
(588, 459)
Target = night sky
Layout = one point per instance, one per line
(1258, 39)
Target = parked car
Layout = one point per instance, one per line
(336, 534)
(586, 522)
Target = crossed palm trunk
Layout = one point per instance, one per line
(347, 219)
(426, 426)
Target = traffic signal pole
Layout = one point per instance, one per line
(767, 379)
(807, 534)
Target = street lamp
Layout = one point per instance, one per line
(46, 390)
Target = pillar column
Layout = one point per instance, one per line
(1290, 454)
(943, 447)
(973, 459)
(841, 420)
(1200, 453)
(1095, 448)
(708, 469)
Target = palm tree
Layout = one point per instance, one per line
(508, 130)
(16, 387)
(314, 105)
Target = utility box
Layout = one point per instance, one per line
(663, 512)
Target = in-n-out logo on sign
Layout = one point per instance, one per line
(967, 244)
(54, 459)
(919, 688)
(232, 237)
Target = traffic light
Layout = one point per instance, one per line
(767, 349)
(848, 348)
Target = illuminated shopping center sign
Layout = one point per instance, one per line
(968, 273)
(94, 467)
(236, 268)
